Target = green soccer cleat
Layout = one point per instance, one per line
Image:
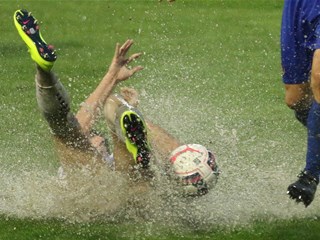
(28, 29)
(135, 132)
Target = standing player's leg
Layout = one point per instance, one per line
(304, 189)
(297, 63)
(298, 97)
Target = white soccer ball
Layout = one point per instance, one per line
(195, 168)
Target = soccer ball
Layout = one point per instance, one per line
(195, 168)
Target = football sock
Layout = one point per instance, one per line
(302, 115)
(313, 148)
(45, 78)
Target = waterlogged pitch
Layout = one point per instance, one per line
(212, 76)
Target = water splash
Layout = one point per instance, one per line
(252, 186)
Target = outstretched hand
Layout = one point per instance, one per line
(118, 71)
(119, 64)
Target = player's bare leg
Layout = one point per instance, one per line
(72, 145)
(161, 141)
(127, 124)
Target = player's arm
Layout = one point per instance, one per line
(117, 72)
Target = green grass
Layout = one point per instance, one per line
(216, 62)
(51, 229)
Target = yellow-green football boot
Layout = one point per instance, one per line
(135, 132)
(28, 29)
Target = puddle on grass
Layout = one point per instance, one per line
(255, 174)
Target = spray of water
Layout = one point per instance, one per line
(248, 189)
(255, 173)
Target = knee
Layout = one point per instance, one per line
(298, 96)
(293, 101)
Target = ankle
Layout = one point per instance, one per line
(45, 78)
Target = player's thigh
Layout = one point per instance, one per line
(122, 158)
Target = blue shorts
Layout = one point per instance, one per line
(300, 36)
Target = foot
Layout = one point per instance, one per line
(28, 29)
(134, 129)
(303, 190)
